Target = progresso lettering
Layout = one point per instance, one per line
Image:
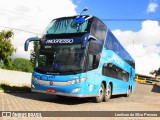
(59, 41)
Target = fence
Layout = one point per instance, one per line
(15, 78)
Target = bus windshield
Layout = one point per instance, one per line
(60, 59)
(67, 25)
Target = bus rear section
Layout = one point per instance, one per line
(120, 66)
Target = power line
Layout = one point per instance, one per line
(106, 19)
(130, 13)
(156, 19)
(20, 30)
(140, 19)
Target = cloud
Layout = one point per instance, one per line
(152, 6)
(34, 15)
(143, 45)
(31, 15)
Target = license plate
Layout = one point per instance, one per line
(51, 90)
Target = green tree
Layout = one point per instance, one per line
(155, 72)
(6, 48)
(33, 52)
(22, 64)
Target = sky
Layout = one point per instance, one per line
(141, 38)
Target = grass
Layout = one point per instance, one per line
(1, 88)
(6, 88)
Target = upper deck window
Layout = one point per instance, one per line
(98, 29)
(68, 25)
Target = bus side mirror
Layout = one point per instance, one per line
(95, 47)
(29, 40)
(87, 37)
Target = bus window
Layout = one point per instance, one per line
(114, 71)
(90, 62)
(95, 47)
(42, 60)
(98, 29)
(125, 76)
(93, 61)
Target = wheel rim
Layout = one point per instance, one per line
(101, 92)
(108, 93)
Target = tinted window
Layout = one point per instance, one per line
(68, 25)
(65, 57)
(113, 44)
(115, 72)
(95, 46)
(98, 29)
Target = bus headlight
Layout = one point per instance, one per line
(32, 86)
(77, 80)
(34, 78)
(75, 90)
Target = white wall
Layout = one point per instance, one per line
(15, 78)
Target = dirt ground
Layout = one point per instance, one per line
(145, 98)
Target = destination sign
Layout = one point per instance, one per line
(59, 41)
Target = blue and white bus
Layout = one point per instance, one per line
(78, 56)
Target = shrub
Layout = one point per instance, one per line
(22, 64)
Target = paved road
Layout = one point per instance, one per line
(145, 98)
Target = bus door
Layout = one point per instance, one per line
(93, 58)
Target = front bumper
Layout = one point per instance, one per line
(64, 94)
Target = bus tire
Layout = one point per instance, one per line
(101, 94)
(128, 92)
(108, 93)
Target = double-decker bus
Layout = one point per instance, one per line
(78, 56)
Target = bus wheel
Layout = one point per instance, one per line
(100, 96)
(108, 93)
(129, 92)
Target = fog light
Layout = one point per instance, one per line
(32, 86)
(75, 90)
